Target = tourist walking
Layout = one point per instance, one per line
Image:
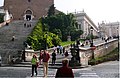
(46, 57)
(34, 65)
(53, 57)
(65, 71)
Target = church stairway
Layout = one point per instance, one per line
(9, 48)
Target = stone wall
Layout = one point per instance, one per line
(18, 8)
(101, 49)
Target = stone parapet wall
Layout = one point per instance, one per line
(105, 48)
(101, 49)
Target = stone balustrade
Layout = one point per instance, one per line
(101, 49)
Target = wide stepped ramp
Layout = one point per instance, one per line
(9, 48)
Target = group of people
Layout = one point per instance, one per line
(45, 58)
(27, 25)
(64, 71)
(54, 56)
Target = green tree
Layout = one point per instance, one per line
(66, 24)
(40, 38)
(1, 18)
(51, 10)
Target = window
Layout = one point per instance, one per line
(28, 12)
(29, 0)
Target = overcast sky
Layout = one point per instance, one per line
(97, 10)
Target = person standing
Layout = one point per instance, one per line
(34, 65)
(61, 49)
(53, 57)
(65, 71)
(24, 24)
(13, 38)
(58, 50)
(46, 57)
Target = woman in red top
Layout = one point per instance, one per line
(46, 57)
(64, 71)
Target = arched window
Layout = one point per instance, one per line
(28, 12)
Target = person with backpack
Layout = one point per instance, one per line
(46, 57)
(34, 65)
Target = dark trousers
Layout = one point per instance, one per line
(34, 68)
(53, 62)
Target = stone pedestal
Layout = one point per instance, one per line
(75, 60)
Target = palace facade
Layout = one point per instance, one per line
(27, 9)
(85, 24)
(109, 29)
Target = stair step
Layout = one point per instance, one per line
(17, 29)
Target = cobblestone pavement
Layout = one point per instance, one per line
(104, 70)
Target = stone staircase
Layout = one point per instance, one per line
(58, 63)
(9, 48)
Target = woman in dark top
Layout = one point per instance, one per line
(53, 58)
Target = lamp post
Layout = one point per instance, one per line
(46, 42)
(118, 37)
(91, 42)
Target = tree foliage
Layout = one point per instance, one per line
(50, 30)
(39, 37)
(1, 18)
(63, 24)
(51, 10)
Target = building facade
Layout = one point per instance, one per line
(109, 29)
(85, 23)
(27, 9)
(5, 13)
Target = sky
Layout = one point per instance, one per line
(97, 10)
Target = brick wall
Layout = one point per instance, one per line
(18, 7)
